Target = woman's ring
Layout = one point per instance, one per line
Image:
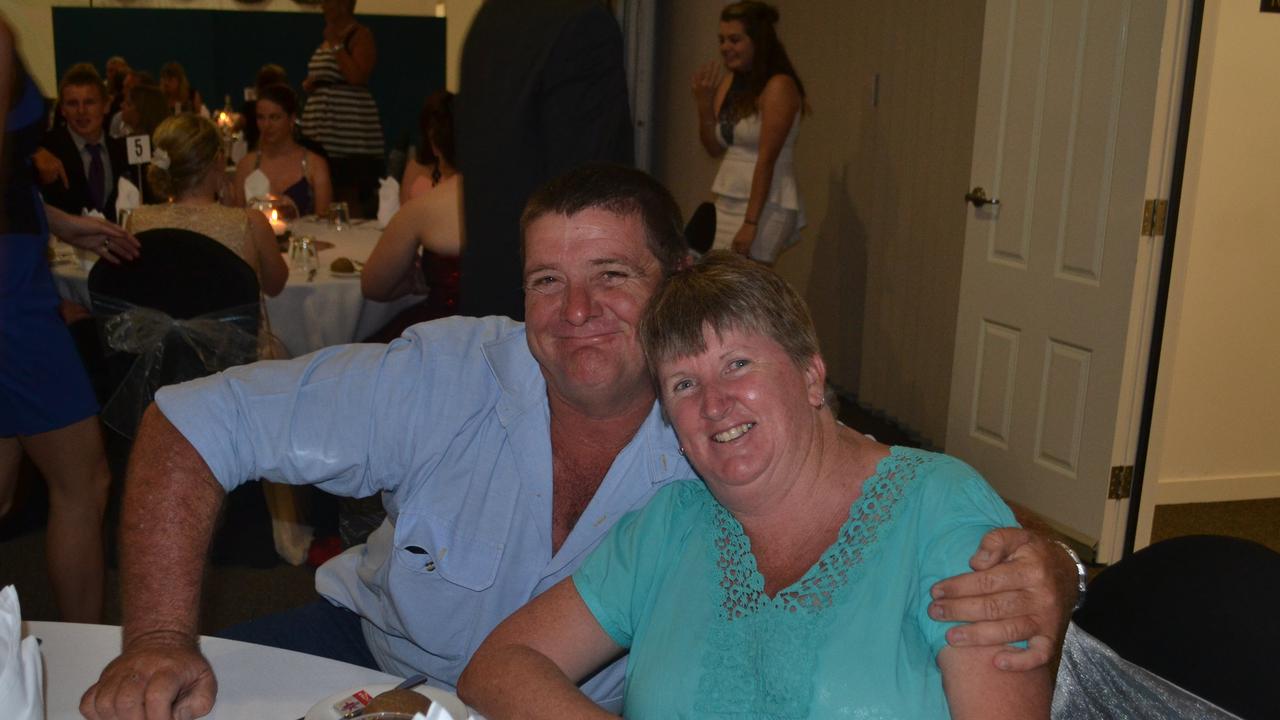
(106, 244)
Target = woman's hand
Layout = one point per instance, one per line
(109, 241)
(706, 80)
(742, 241)
(706, 85)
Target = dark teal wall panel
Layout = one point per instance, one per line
(222, 51)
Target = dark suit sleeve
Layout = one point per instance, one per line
(74, 197)
(585, 113)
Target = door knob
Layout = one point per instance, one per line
(978, 197)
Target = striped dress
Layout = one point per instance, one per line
(340, 116)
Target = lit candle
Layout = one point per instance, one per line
(278, 226)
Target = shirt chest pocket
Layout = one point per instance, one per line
(439, 579)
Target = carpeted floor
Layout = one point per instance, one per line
(1256, 520)
(245, 580)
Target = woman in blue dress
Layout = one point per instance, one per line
(794, 580)
(47, 407)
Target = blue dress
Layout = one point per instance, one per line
(677, 584)
(43, 385)
(299, 192)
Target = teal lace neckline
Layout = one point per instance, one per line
(761, 651)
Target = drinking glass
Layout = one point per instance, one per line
(339, 215)
(304, 253)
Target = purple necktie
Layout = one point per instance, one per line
(97, 175)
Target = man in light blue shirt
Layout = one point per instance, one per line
(504, 452)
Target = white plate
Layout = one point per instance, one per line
(335, 273)
(444, 704)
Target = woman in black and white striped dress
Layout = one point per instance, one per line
(340, 113)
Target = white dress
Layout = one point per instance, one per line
(779, 224)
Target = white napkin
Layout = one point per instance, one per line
(388, 200)
(239, 148)
(256, 186)
(21, 672)
(127, 195)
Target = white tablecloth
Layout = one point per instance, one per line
(254, 681)
(306, 316)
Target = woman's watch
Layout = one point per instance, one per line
(1082, 573)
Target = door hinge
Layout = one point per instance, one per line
(1154, 212)
(1121, 482)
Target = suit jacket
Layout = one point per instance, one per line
(75, 197)
(543, 90)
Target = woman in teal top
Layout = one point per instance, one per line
(795, 582)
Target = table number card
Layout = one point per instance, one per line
(138, 149)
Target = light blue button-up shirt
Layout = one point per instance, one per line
(451, 423)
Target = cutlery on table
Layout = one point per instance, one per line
(412, 681)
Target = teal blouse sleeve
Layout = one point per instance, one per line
(957, 507)
(616, 581)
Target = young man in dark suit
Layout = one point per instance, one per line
(91, 159)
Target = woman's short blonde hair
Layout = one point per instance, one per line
(725, 292)
(192, 144)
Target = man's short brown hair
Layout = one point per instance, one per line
(622, 191)
(83, 74)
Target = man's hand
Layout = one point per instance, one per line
(159, 676)
(171, 500)
(49, 168)
(1023, 588)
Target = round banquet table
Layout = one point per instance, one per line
(309, 314)
(254, 681)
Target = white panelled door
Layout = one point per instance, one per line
(1064, 125)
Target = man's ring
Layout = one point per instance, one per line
(106, 244)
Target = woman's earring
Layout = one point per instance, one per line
(681, 449)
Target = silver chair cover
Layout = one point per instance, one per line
(1094, 683)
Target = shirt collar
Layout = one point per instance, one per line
(662, 448)
(517, 374)
(524, 388)
(81, 142)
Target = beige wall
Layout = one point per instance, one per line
(883, 186)
(1217, 410)
(34, 23)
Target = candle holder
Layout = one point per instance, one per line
(278, 211)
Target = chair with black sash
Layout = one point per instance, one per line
(186, 308)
